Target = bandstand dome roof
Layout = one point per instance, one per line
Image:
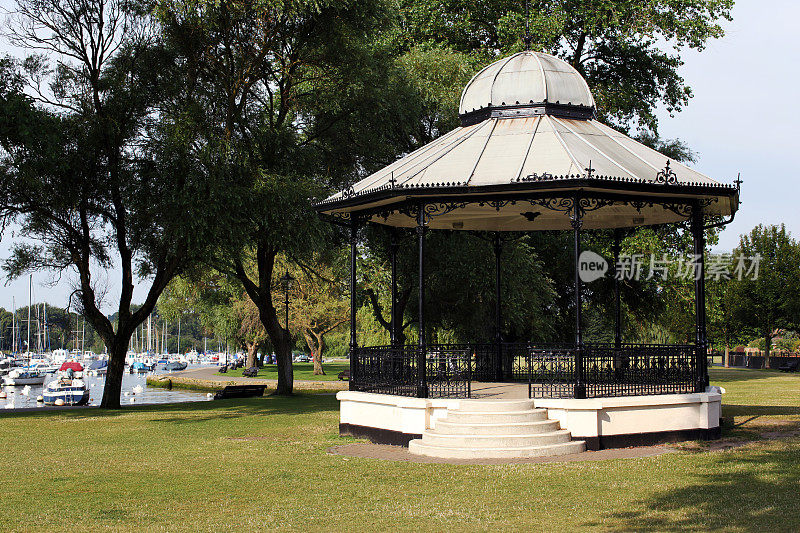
(525, 78)
(528, 140)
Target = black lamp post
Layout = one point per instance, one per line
(286, 282)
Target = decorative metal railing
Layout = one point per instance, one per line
(449, 370)
(639, 369)
(549, 370)
(385, 370)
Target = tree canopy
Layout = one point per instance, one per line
(93, 166)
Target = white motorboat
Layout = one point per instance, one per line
(68, 391)
(18, 377)
(40, 365)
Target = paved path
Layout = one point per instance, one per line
(210, 376)
(399, 453)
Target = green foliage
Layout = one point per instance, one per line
(460, 282)
(770, 300)
(618, 45)
(94, 165)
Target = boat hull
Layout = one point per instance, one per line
(70, 397)
(18, 382)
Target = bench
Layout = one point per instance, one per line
(344, 375)
(240, 391)
(789, 367)
(250, 372)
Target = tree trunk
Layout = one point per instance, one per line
(317, 356)
(316, 341)
(281, 340)
(727, 356)
(116, 368)
(767, 345)
(261, 295)
(252, 351)
(283, 354)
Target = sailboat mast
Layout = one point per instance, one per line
(14, 326)
(47, 337)
(38, 331)
(30, 298)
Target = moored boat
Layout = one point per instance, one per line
(98, 368)
(71, 391)
(175, 366)
(73, 366)
(139, 367)
(19, 377)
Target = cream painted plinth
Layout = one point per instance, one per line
(605, 421)
(400, 414)
(601, 422)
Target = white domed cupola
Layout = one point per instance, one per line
(526, 84)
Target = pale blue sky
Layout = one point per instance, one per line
(743, 118)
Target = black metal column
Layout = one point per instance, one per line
(498, 338)
(353, 340)
(617, 303)
(577, 223)
(701, 341)
(393, 246)
(422, 378)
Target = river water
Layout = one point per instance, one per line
(148, 395)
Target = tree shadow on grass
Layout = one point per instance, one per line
(187, 411)
(759, 410)
(237, 408)
(747, 490)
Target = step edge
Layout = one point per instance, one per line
(505, 448)
(515, 435)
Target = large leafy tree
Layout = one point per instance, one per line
(93, 167)
(767, 299)
(318, 302)
(289, 93)
(460, 287)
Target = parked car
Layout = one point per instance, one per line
(302, 358)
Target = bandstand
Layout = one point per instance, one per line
(530, 156)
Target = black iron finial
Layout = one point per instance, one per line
(589, 170)
(738, 182)
(392, 180)
(527, 38)
(666, 176)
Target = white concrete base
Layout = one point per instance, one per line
(401, 416)
(631, 420)
(601, 422)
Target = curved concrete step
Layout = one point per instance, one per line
(436, 438)
(495, 406)
(417, 447)
(507, 428)
(488, 417)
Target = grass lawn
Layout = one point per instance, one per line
(242, 465)
(302, 371)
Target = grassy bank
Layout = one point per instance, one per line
(183, 384)
(262, 463)
(302, 371)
